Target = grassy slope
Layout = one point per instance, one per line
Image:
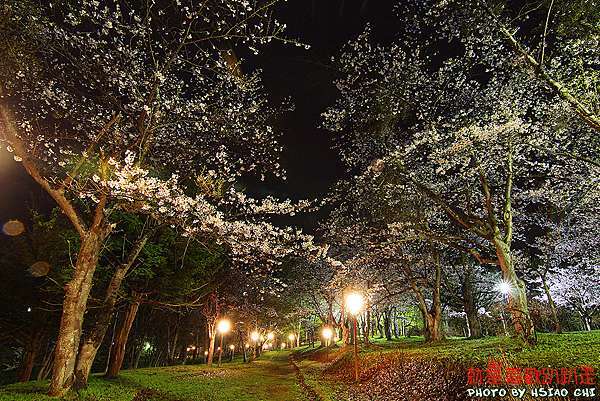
(322, 368)
(270, 378)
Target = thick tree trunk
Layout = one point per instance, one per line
(557, 328)
(474, 326)
(118, 351)
(517, 298)
(74, 305)
(92, 341)
(212, 337)
(387, 322)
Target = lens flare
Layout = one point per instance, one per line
(13, 228)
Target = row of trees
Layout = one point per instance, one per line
(472, 138)
(137, 120)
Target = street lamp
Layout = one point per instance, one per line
(354, 304)
(291, 337)
(327, 333)
(270, 336)
(505, 288)
(232, 348)
(223, 327)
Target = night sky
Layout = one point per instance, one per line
(306, 76)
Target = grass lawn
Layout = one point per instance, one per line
(273, 377)
(270, 378)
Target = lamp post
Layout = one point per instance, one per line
(505, 288)
(223, 327)
(291, 337)
(327, 333)
(255, 337)
(354, 304)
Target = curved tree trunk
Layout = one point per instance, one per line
(74, 305)
(118, 352)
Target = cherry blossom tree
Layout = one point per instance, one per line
(467, 135)
(102, 101)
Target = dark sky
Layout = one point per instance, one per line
(306, 76)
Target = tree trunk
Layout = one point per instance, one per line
(517, 299)
(93, 340)
(74, 305)
(31, 350)
(118, 353)
(557, 328)
(387, 323)
(212, 336)
(367, 329)
(474, 326)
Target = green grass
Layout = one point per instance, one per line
(561, 350)
(273, 378)
(269, 378)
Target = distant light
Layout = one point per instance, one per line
(232, 347)
(224, 326)
(291, 337)
(327, 333)
(205, 353)
(504, 287)
(254, 336)
(282, 345)
(270, 336)
(354, 302)
(13, 228)
(29, 309)
(247, 345)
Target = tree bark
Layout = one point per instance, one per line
(74, 305)
(212, 337)
(30, 352)
(95, 336)
(474, 327)
(118, 353)
(517, 299)
(557, 328)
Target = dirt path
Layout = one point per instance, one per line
(309, 392)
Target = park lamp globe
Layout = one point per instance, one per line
(354, 303)
(270, 336)
(254, 336)
(327, 333)
(291, 337)
(224, 326)
(504, 287)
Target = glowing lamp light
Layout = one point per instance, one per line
(504, 287)
(270, 336)
(282, 345)
(224, 326)
(354, 303)
(247, 345)
(292, 337)
(232, 347)
(254, 336)
(327, 333)
(205, 353)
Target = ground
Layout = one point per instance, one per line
(317, 374)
